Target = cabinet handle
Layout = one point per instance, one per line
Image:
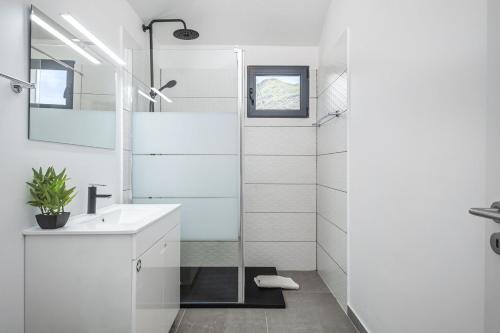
(138, 266)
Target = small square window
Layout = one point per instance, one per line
(278, 91)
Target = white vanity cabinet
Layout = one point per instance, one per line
(157, 285)
(115, 272)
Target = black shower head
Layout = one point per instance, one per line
(169, 84)
(186, 34)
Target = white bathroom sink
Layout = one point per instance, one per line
(115, 219)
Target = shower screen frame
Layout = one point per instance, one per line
(159, 144)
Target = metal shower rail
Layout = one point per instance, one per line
(335, 114)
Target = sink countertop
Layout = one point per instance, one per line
(135, 218)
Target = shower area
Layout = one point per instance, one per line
(186, 148)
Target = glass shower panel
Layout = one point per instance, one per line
(188, 152)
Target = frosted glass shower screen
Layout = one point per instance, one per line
(188, 152)
(196, 162)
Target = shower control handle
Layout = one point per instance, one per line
(250, 93)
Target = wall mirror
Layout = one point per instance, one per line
(74, 101)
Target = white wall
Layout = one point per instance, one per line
(280, 174)
(18, 154)
(417, 161)
(332, 156)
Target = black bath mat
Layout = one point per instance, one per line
(217, 287)
(209, 285)
(255, 297)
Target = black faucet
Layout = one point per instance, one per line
(92, 198)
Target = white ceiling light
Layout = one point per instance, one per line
(161, 95)
(63, 38)
(71, 20)
(143, 94)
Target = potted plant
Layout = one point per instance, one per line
(48, 192)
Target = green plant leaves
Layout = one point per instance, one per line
(48, 191)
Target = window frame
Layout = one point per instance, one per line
(40, 64)
(254, 71)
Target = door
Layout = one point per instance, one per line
(492, 239)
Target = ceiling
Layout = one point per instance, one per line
(238, 22)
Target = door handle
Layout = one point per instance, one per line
(492, 213)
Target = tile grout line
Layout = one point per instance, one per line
(321, 92)
(333, 153)
(332, 223)
(330, 256)
(332, 188)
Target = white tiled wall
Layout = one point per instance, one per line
(332, 156)
(299, 256)
(332, 205)
(201, 82)
(202, 104)
(333, 240)
(279, 190)
(280, 198)
(332, 169)
(280, 169)
(332, 137)
(334, 277)
(286, 227)
(267, 140)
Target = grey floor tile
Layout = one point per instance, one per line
(312, 309)
(309, 312)
(309, 281)
(223, 321)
